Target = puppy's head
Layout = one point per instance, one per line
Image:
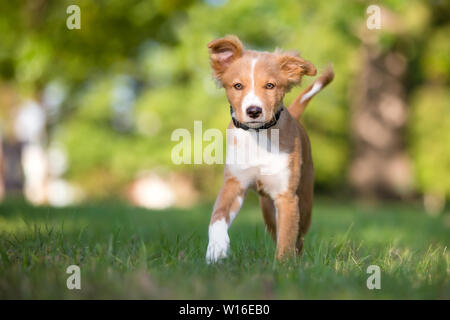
(255, 82)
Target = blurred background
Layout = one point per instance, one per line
(87, 114)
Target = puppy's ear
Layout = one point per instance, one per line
(223, 52)
(293, 68)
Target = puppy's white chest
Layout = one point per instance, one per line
(252, 157)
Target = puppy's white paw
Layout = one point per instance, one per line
(219, 242)
(216, 251)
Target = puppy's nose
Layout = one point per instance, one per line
(254, 111)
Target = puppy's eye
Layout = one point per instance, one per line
(270, 85)
(238, 86)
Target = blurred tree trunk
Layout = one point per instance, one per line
(380, 166)
(12, 164)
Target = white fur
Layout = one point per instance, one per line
(270, 167)
(251, 99)
(249, 161)
(233, 214)
(316, 88)
(219, 241)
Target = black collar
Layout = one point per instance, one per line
(266, 125)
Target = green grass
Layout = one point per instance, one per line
(126, 252)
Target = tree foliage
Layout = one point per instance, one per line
(137, 70)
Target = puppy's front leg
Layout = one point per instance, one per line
(226, 208)
(288, 218)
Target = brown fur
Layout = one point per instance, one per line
(226, 201)
(297, 107)
(223, 52)
(232, 64)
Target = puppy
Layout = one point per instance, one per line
(255, 84)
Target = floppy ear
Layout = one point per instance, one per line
(223, 52)
(293, 68)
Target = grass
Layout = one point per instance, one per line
(126, 252)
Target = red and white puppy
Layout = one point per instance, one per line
(255, 84)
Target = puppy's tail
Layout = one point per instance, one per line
(299, 104)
